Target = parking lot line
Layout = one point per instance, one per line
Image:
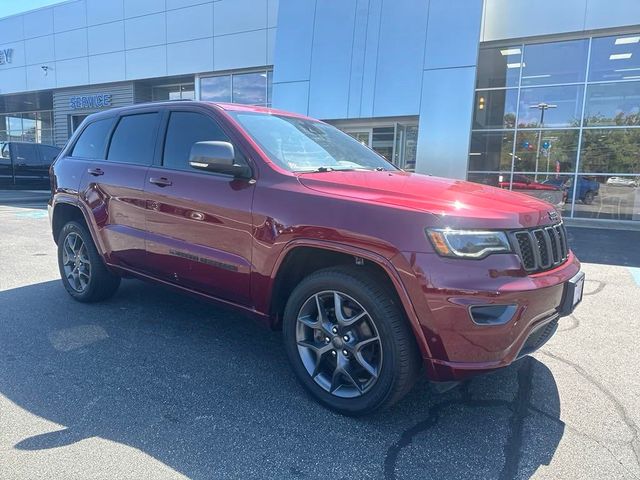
(635, 273)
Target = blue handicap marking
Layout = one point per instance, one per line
(635, 273)
(32, 214)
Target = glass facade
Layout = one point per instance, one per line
(396, 141)
(249, 88)
(181, 91)
(561, 121)
(34, 127)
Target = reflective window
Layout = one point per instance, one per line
(216, 89)
(185, 129)
(546, 151)
(26, 154)
(134, 139)
(93, 140)
(615, 58)
(499, 67)
(544, 187)
(610, 151)
(559, 106)
(567, 143)
(613, 197)
(557, 62)
(27, 126)
(48, 153)
(491, 151)
(613, 104)
(495, 108)
(302, 145)
(250, 88)
(184, 91)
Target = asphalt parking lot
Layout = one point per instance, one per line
(152, 384)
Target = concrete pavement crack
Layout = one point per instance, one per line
(406, 438)
(622, 412)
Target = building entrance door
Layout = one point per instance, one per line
(395, 141)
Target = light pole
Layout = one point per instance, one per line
(543, 107)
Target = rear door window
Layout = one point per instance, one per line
(185, 129)
(134, 139)
(93, 140)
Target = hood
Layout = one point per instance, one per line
(454, 202)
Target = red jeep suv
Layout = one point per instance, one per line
(371, 272)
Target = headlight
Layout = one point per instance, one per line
(468, 243)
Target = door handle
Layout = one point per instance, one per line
(160, 181)
(96, 172)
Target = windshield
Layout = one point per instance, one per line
(301, 145)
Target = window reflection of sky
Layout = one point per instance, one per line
(251, 88)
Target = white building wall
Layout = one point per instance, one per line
(84, 42)
(505, 19)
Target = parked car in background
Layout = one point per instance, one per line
(373, 273)
(24, 164)
(523, 184)
(588, 188)
(623, 181)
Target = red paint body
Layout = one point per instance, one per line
(245, 229)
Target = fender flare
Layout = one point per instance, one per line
(379, 260)
(65, 199)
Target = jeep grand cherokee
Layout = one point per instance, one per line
(371, 272)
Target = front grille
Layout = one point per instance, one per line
(541, 248)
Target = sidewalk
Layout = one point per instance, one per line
(13, 197)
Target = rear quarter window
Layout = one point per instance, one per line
(92, 142)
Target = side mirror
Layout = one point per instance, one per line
(218, 157)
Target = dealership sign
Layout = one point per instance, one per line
(6, 55)
(97, 100)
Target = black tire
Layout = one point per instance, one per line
(588, 198)
(398, 347)
(101, 283)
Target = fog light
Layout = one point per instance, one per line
(492, 314)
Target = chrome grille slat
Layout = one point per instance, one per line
(541, 248)
(556, 250)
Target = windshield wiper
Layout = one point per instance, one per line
(348, 169)
(326, 169)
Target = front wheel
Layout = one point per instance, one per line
(84, 274)
(349, 342)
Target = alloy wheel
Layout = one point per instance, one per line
(339, 344)
(75, 261)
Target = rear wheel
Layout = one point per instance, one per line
(348, 341)
(84, 274)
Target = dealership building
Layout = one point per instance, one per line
(541, 97)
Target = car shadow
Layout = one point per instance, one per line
(605, 246)
(209, 393)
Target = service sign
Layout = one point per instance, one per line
(6, 55)
(97, 100)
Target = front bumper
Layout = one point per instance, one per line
(444, 292)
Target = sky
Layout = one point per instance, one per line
(11, 7)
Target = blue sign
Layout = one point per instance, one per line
(97, 100)
(546, 144)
